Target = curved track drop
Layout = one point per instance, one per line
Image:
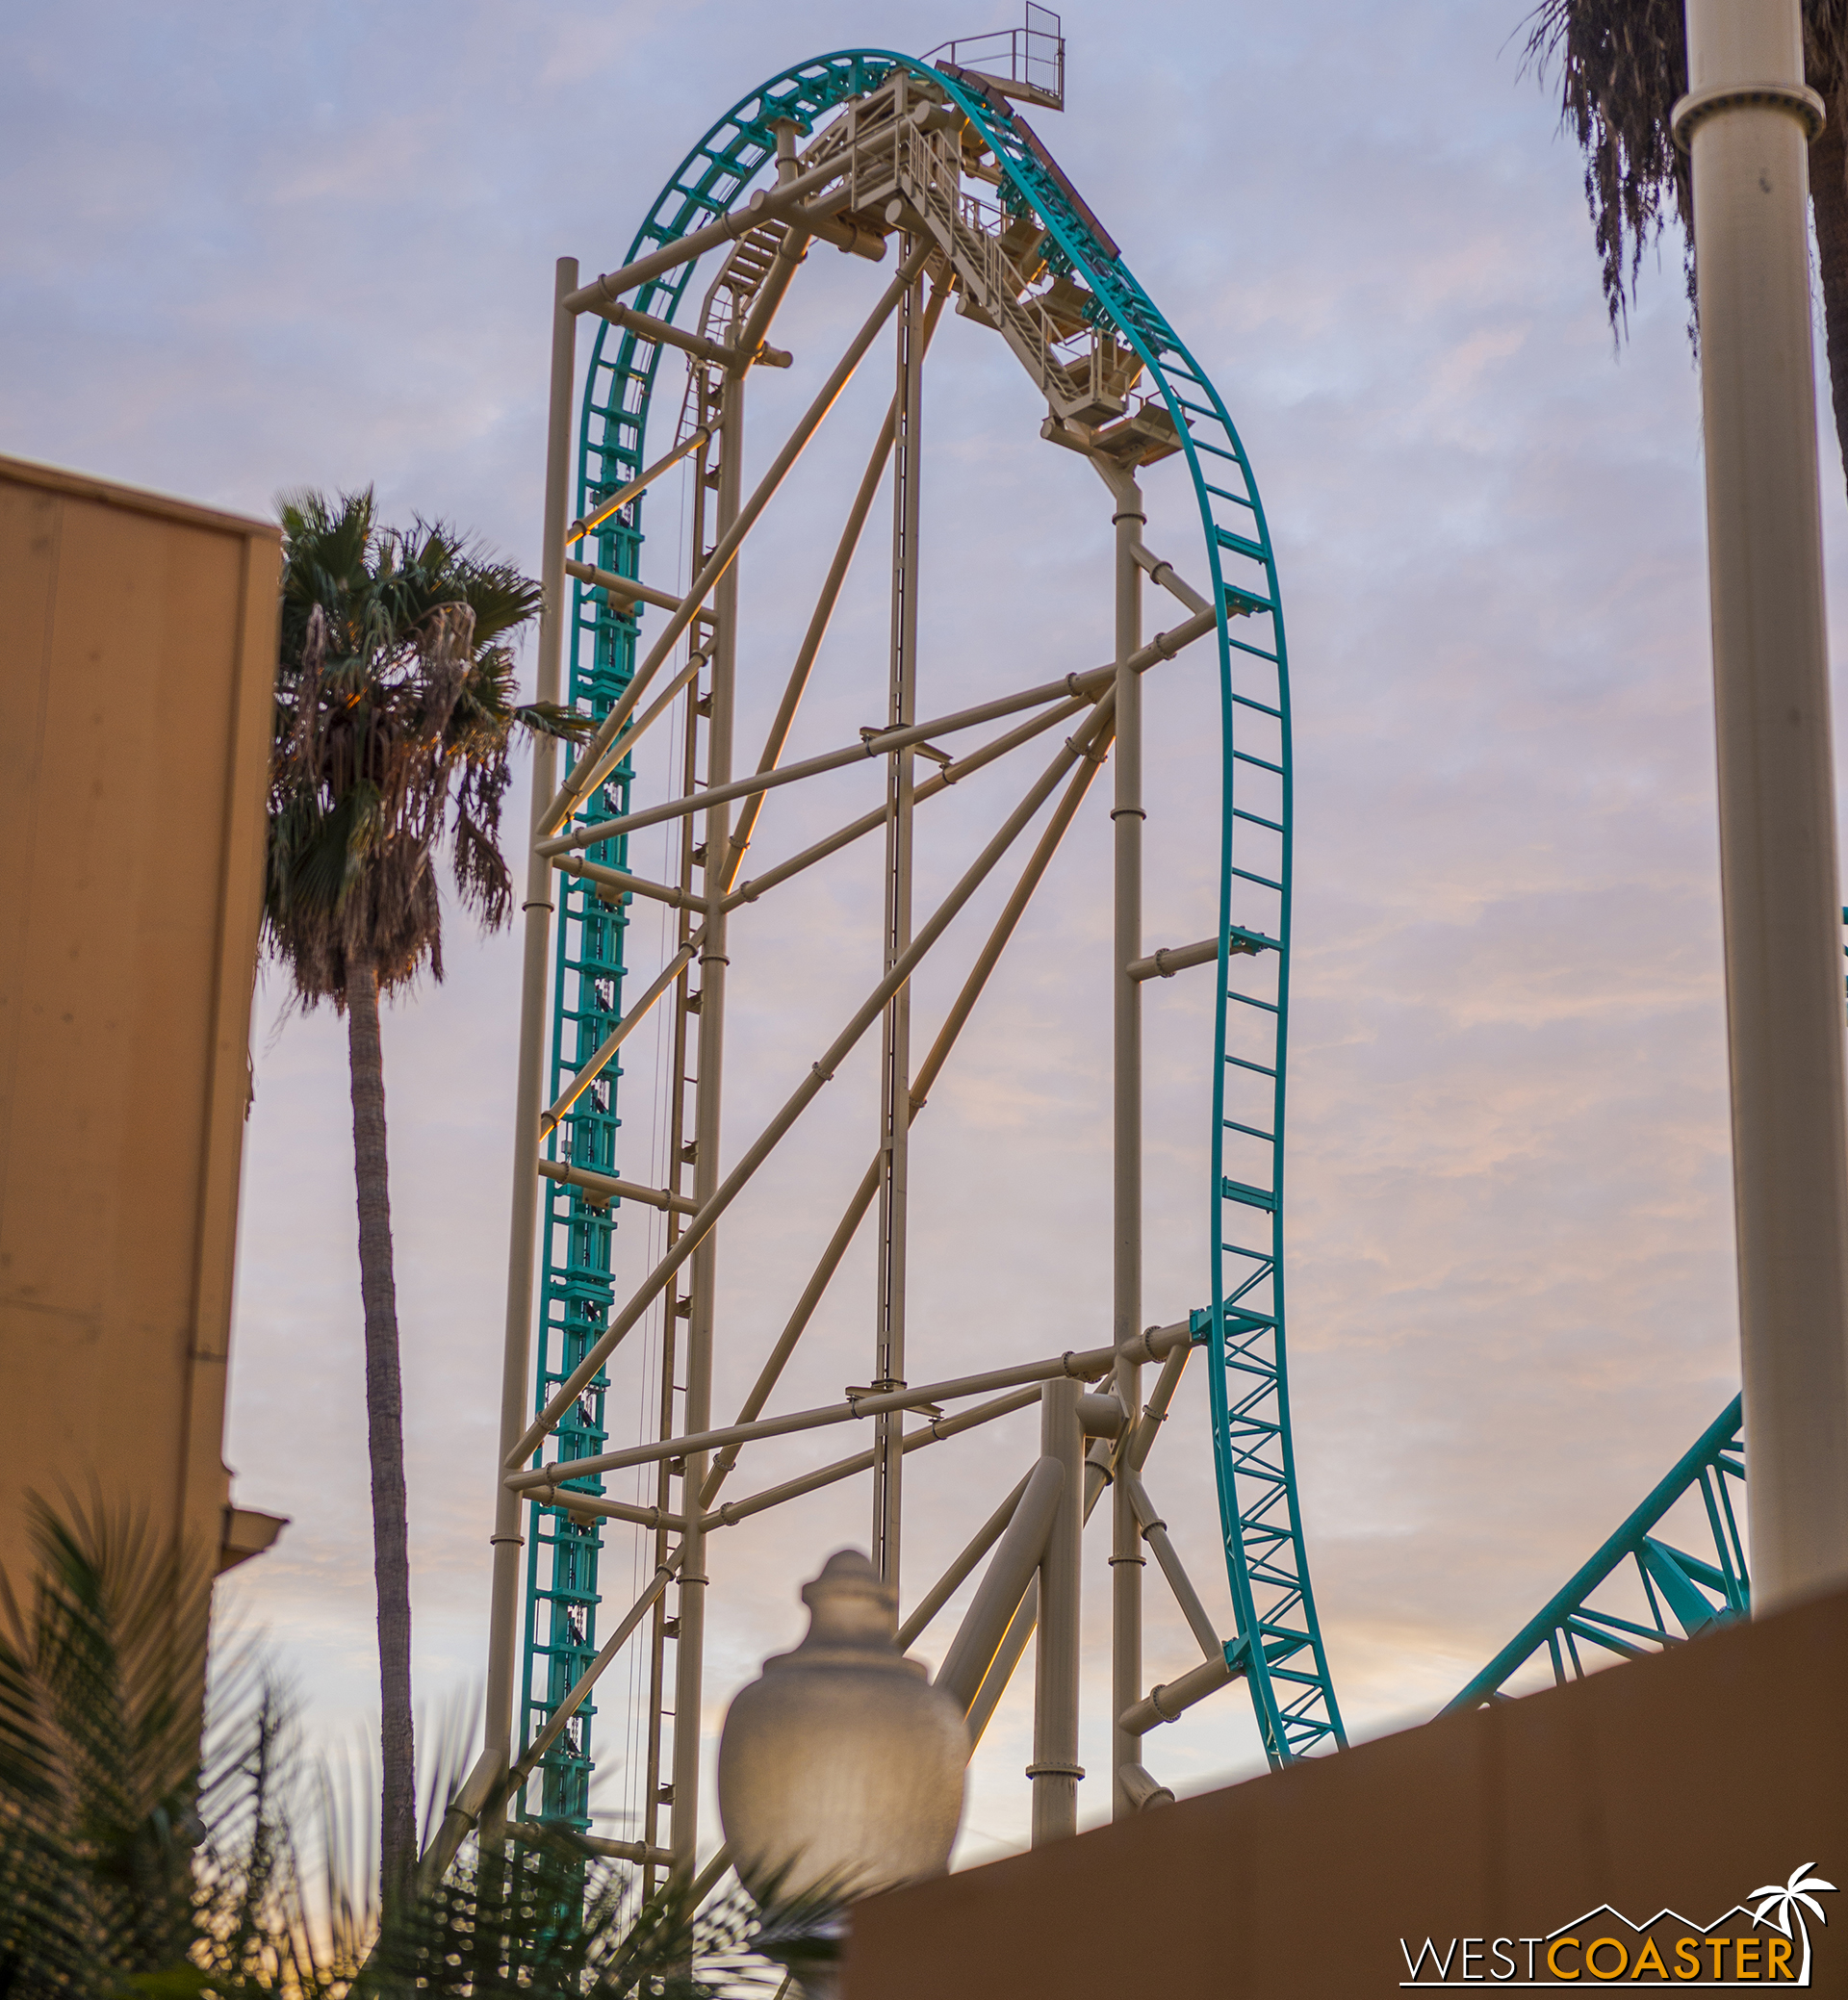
(864, 145)
(1672, 1594)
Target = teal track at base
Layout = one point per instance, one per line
(1278, 1649)
(1685, 1594)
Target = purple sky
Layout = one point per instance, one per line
(255, 248)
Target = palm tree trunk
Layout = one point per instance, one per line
(385, 1438)
(1829, 195)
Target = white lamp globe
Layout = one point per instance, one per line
(840, 1766)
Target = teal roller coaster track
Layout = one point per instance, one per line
(1025, 255)
(1672, 1594)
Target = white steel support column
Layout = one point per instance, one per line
(673, 1354)
(535, 991)
(690, 1645)
(1747, 119)
(1126, 1240)
(1055, 1770)
(895, 1051)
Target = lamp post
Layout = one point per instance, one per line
(1746, 121)
(840, 1766)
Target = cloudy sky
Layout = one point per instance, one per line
(251, 247)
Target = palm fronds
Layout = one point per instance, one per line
(130, 1866)
(100, 1669)
(540, 1916)
(395, 721)
(1622, 64)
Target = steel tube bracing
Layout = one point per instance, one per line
(1030, 1517)
(863, 145)
(931, 787)
(625, 588)
(1154, 1531)
(606, 1188)
(894, 740)
(895, 1037)
(694, 440)
(946, 1585)
(1088, 1364)
(728, 1513)
(718, 562)
(820, 1073)
(824, 611)
(926, 1074)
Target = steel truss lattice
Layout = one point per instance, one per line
(863, 145)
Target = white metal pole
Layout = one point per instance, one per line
(516, 1365)
(1055, 1770)
(656, 1794)
(1747, 119)
(1126, 993)
(690, 1645)
(895, 1051)
(994, 1683)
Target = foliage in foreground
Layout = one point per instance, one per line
(129, 1866)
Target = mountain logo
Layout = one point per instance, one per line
(1765, 1938)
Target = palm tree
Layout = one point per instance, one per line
(1790, 1899)
(395, 721)
(1622, 65)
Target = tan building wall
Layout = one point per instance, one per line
(1678, 1784)
(138, 646)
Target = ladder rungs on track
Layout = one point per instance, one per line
(1256, 653)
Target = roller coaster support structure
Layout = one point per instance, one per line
(874, 152)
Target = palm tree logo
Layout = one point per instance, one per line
(1781, 1900)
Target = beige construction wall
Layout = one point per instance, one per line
(1670, 1789)
(138, 646)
